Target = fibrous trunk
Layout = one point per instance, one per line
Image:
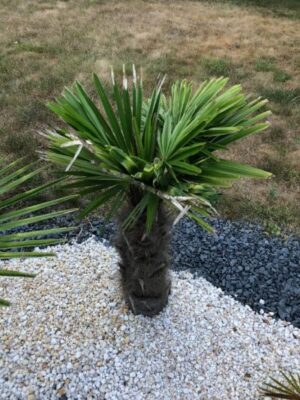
(144, 262)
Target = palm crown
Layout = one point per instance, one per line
(155, 149)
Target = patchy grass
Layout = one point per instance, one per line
(281, 169)
(37, 59)
(264, 64)
(276, 8)
(45, 45)
(282, 96)
(217, 66)
(281, 76)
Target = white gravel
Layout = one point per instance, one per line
(68, 335)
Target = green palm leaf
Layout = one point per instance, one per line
(12, 215)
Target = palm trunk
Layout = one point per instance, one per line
(144, 263)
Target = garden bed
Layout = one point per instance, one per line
(259, 270)
(68, 335)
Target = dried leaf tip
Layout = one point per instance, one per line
(125, 82)
(80, 147)
(141, 76)
(161, 82)
(112, 75)
(134, 74)
(71, 143)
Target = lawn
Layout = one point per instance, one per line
(45, 45)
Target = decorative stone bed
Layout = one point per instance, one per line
(68, 335)
(257, 269)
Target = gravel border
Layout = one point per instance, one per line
(259, 270)
(68, 335)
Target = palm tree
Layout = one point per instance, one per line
(15, 214)
(140, 155)
(288, 388)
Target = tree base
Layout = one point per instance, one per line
(144, 264)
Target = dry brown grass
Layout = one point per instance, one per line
(47, 44)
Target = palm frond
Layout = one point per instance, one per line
(287, 388)
(14, 214)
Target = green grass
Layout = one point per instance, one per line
(19, 47)
(167, 65)
(267, 64)
(264, 64)
(278, 8)
(208, 67)
(282, 96)
(281, 76)
(217, 66)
